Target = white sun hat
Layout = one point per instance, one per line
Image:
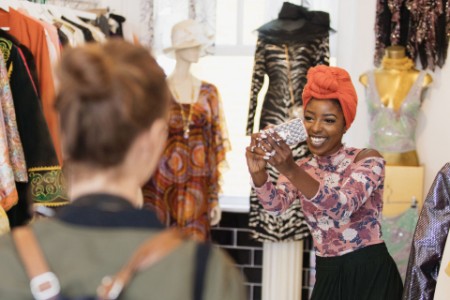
(187, 34)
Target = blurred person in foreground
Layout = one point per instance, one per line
(113, 104)
(340, 190)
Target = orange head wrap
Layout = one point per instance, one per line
(324, 82)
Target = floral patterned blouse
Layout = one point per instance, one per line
(344, 215)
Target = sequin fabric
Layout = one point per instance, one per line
(422, 26)
(392, 131)
(398, 233)
(429, 240)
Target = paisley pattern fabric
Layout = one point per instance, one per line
(392, 131)
(8, 191)
(16, 155)
(344, 215)
(186, 184)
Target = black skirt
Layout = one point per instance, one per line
(366, 274)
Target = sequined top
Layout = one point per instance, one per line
(392, 131)
(344, 215)
(422, 26)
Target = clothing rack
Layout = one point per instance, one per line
(76, 4)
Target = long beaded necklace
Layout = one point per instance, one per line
(186, 117)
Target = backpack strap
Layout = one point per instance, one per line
(150, 252)
(44, 284)
(201, 260)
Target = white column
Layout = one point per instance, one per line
(282, 270)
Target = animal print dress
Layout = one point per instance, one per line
(286, 65)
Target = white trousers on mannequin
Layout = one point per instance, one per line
(282, 270)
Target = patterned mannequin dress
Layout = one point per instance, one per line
(186, 184)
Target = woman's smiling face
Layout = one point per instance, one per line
(325, 124)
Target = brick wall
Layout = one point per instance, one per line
(233, 235)
(309, 272)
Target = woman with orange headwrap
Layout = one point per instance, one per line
(340, 189)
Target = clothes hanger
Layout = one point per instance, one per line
(4, 6)
(33, 9)
(45, 13)
(77, 14)
(54, 11)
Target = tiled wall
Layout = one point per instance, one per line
(309, 272)
(233, 235)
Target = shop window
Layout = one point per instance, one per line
(230, 68)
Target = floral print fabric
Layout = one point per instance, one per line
(344, 215)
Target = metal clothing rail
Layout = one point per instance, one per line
(76, 4)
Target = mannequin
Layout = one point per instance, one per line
(184, 189)
(394, 95)
(186, 87)
(286, 48)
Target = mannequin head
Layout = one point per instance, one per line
(186, 35)
(395, 59)
(190, 55)
(395, 52)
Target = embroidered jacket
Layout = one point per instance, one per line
(344, 215)
(45, 184)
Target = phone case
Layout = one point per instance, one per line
(292, 132)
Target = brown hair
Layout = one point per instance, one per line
(108, 94)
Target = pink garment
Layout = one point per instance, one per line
(344, 215)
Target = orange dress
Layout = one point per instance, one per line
(32, 34)
(186, 184)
